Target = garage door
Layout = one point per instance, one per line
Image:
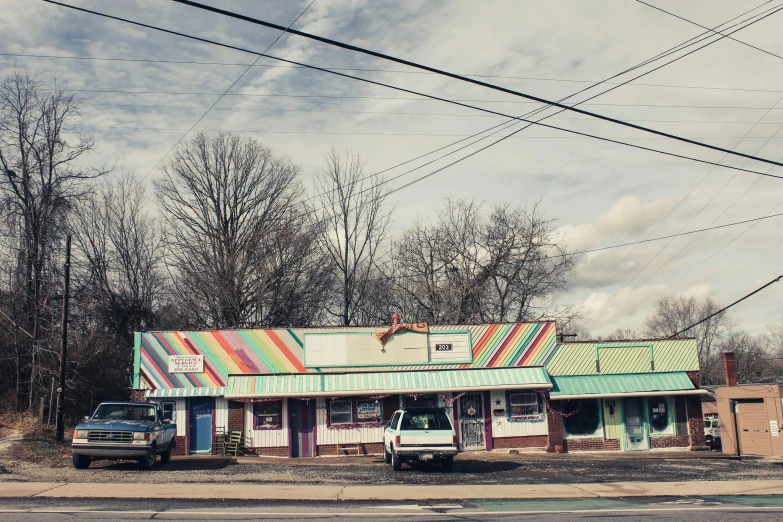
(753, 428)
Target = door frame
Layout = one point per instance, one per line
(483, 418)
(312, 421)
(645, 424)
(190, 427)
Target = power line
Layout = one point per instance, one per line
(727, 307)
(513, 92)
(389, 71)
(711, 30)
(400, 88)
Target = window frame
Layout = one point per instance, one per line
(259, 427)
(536, 402)
(351, 421)
(173, 404)
(377, 421)
(599, 431)
(670, 415)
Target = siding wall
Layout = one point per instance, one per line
(613, 425)
(501, 427)
(327, 436)
(265, 438)
(221, 413)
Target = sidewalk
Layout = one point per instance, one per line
(390, 492)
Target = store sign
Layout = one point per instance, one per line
(773, 428)
(444, 347)
(368, 410)
(186, 363)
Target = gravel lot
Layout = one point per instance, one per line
(476, 468)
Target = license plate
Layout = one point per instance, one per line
(426, 456)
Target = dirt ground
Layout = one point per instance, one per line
(27, 459)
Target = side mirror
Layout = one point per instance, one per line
(86, 418)
(384, 424)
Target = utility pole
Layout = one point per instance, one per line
(59, 426)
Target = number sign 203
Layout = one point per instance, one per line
(444, 347)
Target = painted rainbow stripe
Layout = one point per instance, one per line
(517, 344)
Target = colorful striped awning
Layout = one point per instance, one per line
(185, 392)
(374, 383)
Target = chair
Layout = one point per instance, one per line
(234, 441)
(219, 446)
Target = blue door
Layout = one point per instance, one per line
(201, 425)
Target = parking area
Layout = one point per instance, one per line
(469, 468)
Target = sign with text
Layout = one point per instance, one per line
(368, 410)
(186, 363)
(444, 347)
(773, 428)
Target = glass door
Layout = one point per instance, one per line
(471, 421)
(637, 435)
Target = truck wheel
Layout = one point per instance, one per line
(448, 464)
(395, 460)
(386, 455)
(81, 461)
(165, 457)
(149, 459)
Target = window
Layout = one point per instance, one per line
(267, 415)
(341, 412)
(586, 422)
(428, 400)
(659, 410)
(680, 415)
(523, 405)
(368, 411)
(126, 412)
(393, 421)
(169, 411)
(433, 420)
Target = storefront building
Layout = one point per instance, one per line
(326, 391)
(626, 396)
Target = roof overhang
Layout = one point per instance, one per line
(629, 394)
(381, 383)
(623, 385)
(184, 392)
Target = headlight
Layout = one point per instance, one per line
(141, 435)
(79, 434)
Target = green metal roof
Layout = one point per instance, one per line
(599, 385)
(369, 383)
(624, 357)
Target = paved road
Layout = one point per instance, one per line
(712, 509)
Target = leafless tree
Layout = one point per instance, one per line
(353, 213)
(41, 176)
(222, 198)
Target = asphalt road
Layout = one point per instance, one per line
(712, 509)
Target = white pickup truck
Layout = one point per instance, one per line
(420, 434)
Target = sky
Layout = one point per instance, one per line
(598, 193)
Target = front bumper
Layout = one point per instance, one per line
(436, 452)
(114, 451)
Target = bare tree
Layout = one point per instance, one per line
(222, 197)
(355, 221)
(42, 175)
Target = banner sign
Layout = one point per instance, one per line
(368, 410)
(186, 363)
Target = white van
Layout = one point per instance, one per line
(712, 433)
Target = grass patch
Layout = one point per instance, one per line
(42, 448)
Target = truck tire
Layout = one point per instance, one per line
(395, 460)
(149, 459)
(448, 464)
(81, 461)
(386, 455)
(165, 457)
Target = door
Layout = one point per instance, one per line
(301, 420)
(637, 436)
(201, 425)
(471, 421)
(753, 427)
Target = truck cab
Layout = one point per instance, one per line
(420, 434)
(712, 433)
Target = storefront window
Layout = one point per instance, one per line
(659, 409)
(169, 411)
(340, 412)
(523, 405)
(428, 400)
(267, 415)
(681, 415)
(368, 411)
(582, 418)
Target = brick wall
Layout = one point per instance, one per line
(695, 423)
(592, 444)
(679, 441)
(236, 416)
(137, 395)
(695, 378)
(365, 448)
(181, 448)
(554, 427)
(279, 451)
(533, 441)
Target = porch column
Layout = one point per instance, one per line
(695, 423)
(554, 428)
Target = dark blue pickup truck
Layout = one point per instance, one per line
(124, 431)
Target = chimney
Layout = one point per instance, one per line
(730, 368)
(396, 318)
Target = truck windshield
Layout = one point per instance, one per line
(125, 412)
(431, 420)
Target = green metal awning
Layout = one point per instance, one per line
(640, 384)
(371, 383)
(185, 392)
